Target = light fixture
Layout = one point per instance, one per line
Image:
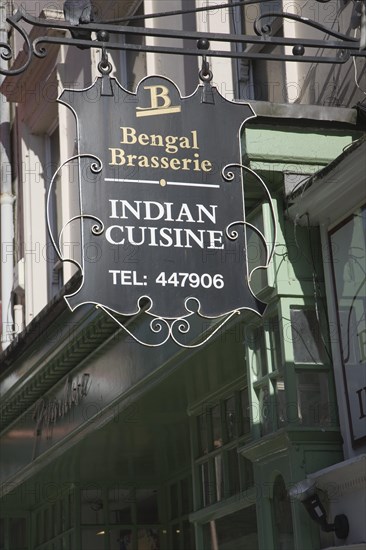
(317, 512)
(305, 492)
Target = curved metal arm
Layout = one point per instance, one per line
(346, 46)
(266, 29)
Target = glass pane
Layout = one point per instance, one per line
(313, 398)
(266, 410)
(121, 539)
(206, 534)
(120, 502)
(261, 351)
(235, 531)
(219, 477)
(232, 473)
(2, 534)
(148, 539)
(46, 525)
(176, 536)
(64, 543)
(216, 427)
(275, 340)
(92, 506)
(62, 516)
(52, 531)
(71, 509)
(246, 471)
(281, 402)
(257, 344)
(202, 434)
(205, 484)
(188, 536)
(93, 538)
(283, 528)
(38, 528)
(58, 521)
(147, 506)
(230, 418)
(173, 501)
(245, 411)
(186, 492)
(17, 533)
(306, 336)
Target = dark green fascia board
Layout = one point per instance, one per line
(36, 328)
(53, 344)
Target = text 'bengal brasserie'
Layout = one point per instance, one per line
(170, 145)
(160, 201)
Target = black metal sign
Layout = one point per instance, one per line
(161, 200)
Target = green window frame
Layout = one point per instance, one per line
(222, 427)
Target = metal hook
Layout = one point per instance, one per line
(205, 73)
(104, 66)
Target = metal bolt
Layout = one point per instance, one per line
(203, 44)
(298, 50)
(103, 36)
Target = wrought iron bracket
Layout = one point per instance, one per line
(261, 45)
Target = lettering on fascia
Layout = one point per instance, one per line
(49, 411)
(168, 145)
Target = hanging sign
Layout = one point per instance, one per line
(161, 200)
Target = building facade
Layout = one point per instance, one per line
(107, 444)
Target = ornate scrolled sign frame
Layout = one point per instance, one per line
(161, 202)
